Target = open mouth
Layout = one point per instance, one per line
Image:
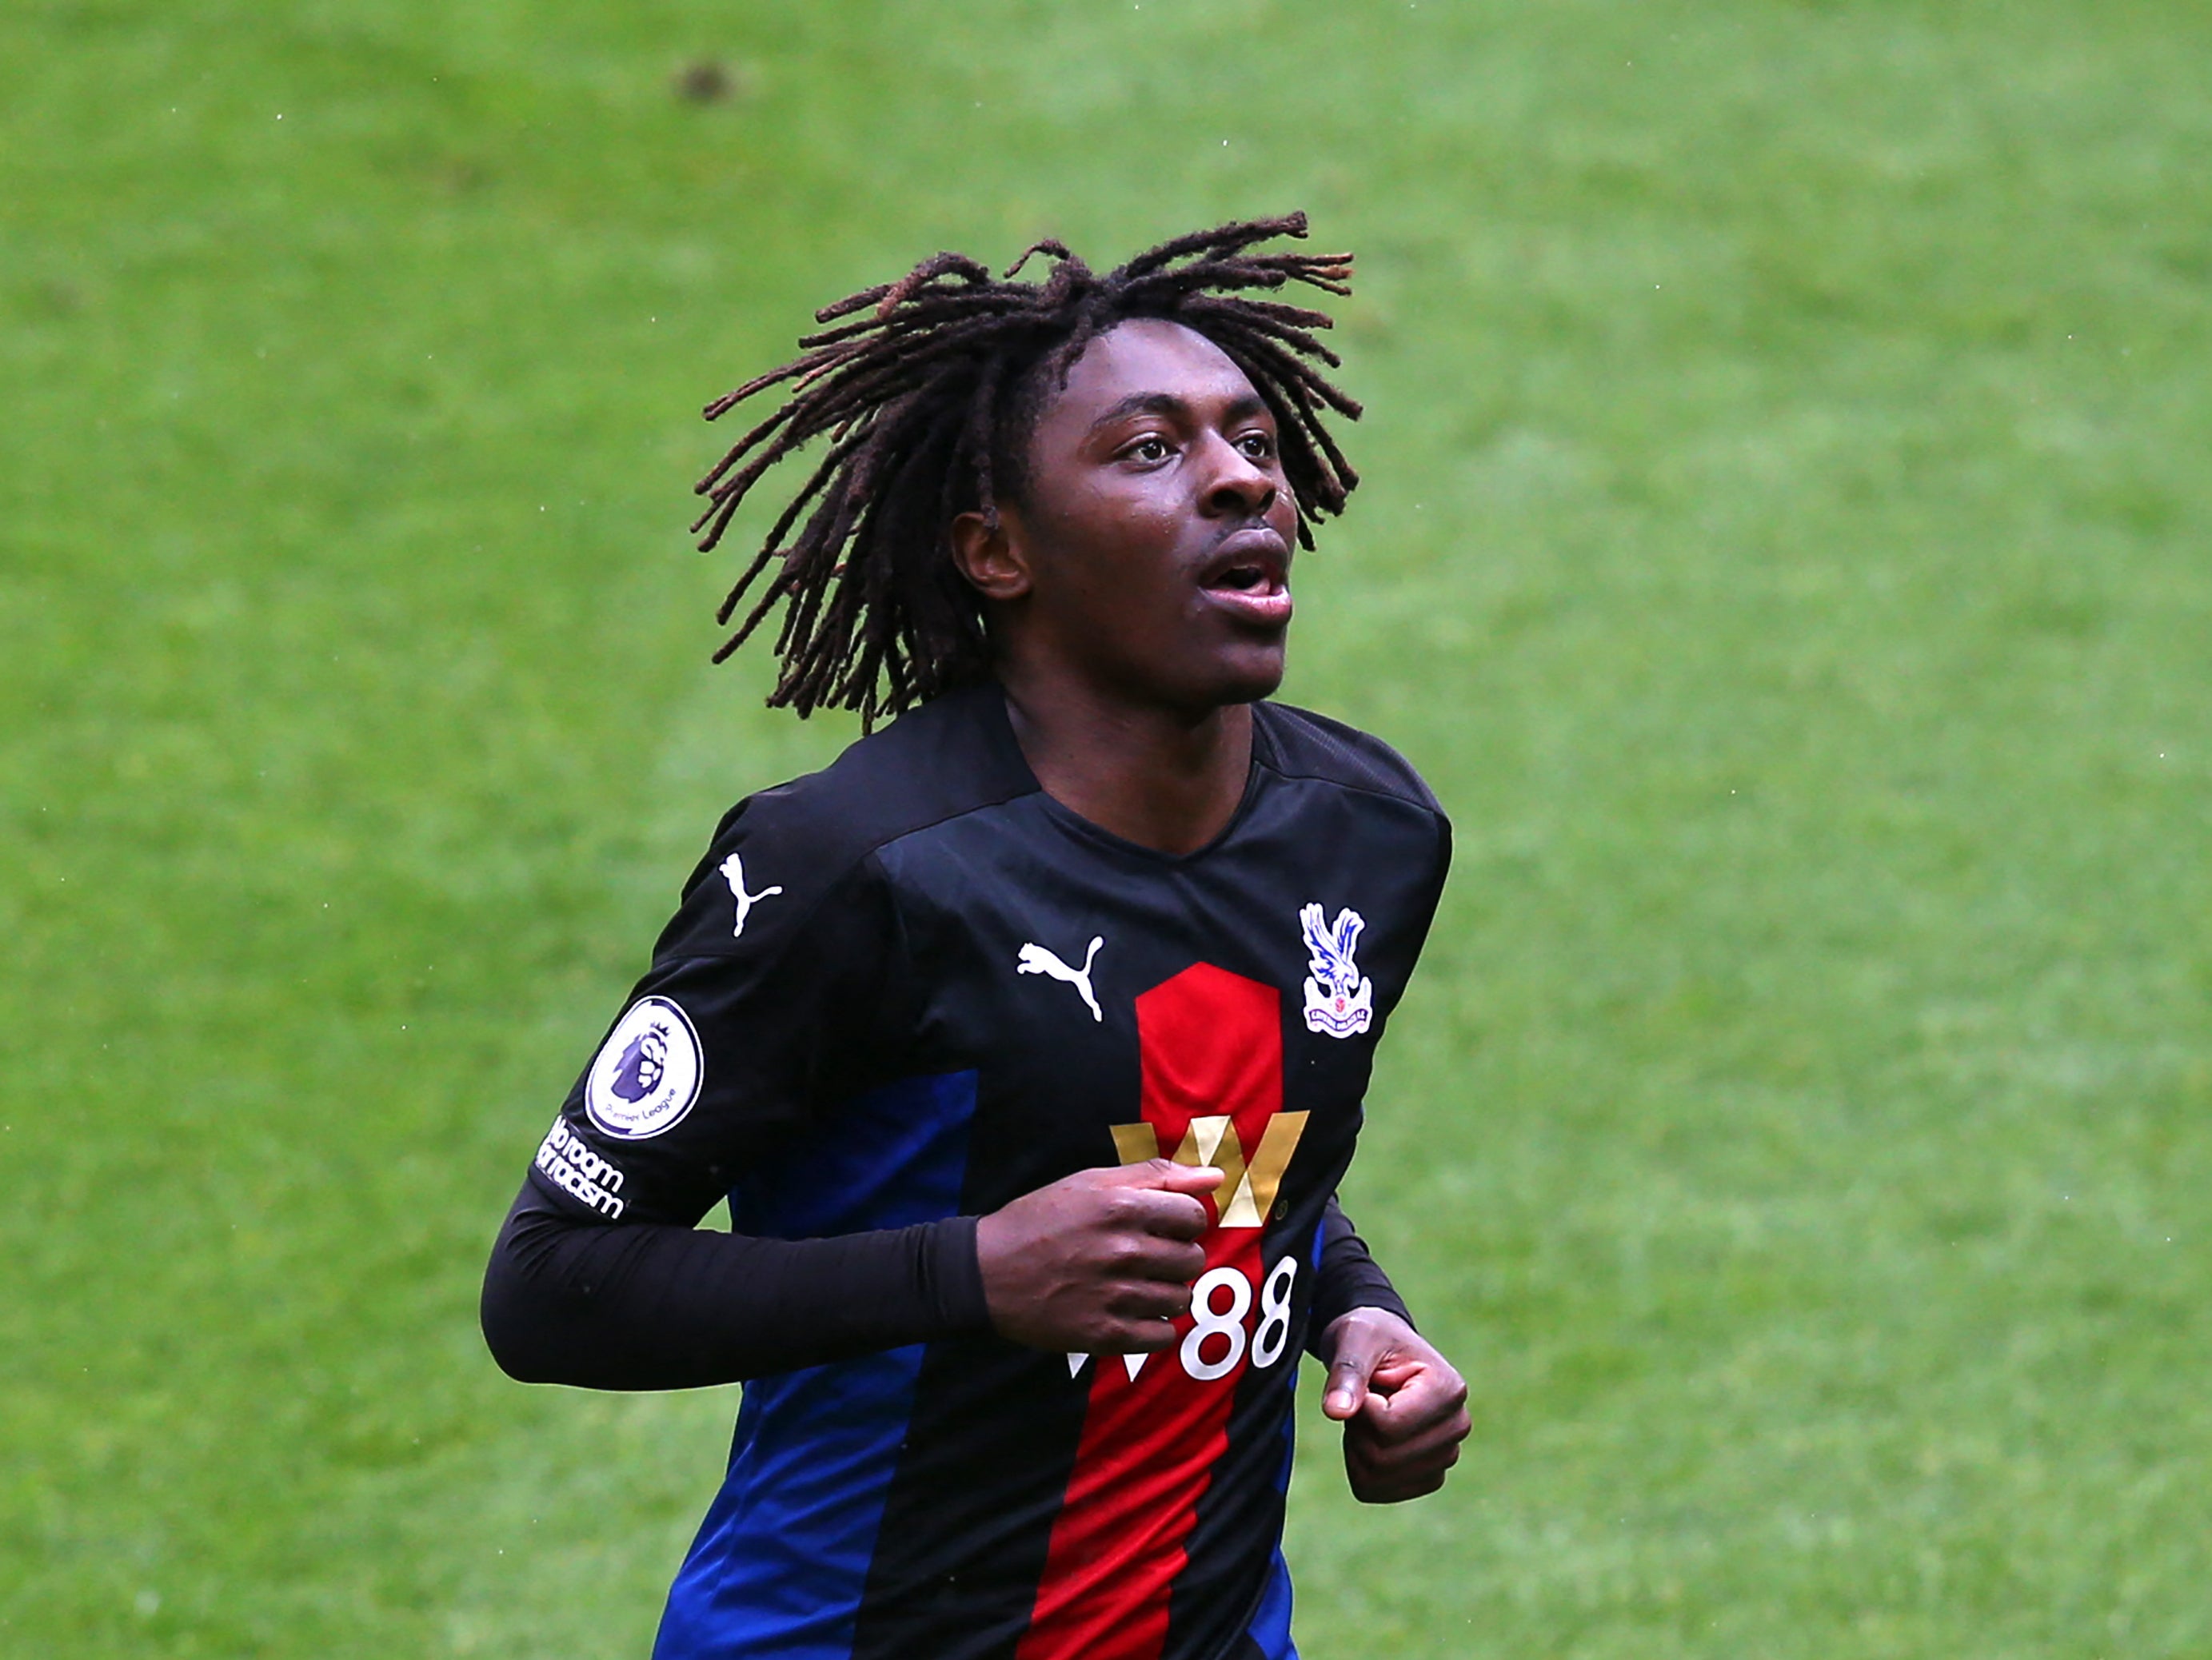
(1250, 575)
(1246, 579)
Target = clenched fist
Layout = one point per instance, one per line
(1100, 1262)
(1403, 1406)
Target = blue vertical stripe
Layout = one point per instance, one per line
(781, 1562)
(1271, 1623)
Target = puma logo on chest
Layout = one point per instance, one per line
(1036, 959)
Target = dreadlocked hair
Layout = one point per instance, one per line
(926, 400)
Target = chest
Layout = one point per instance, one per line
(1115, 1006)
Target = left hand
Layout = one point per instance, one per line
(1402, 1405)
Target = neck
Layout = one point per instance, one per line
(1164, 779)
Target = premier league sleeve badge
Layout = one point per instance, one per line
(646, 1076)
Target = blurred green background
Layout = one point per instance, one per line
(1784, 549)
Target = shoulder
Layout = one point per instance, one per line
(802, 843)
(1300, 744)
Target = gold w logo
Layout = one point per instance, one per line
(1248, 1190)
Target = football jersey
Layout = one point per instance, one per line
(914, 987)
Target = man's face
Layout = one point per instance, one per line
(1152, 548)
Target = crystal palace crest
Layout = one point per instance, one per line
(1340, 1000)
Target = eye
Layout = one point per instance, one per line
(1258, 446)
(1151, 447)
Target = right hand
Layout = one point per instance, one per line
(1100, 1262)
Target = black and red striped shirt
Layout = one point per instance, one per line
(898, 994)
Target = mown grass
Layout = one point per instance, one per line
(1783, 550)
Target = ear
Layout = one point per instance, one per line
(991, 557)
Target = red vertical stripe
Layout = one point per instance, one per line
(1212, 1043)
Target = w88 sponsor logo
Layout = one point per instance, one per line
(1222, 1332)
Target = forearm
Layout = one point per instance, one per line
(1349, 1278)
(653, 1306)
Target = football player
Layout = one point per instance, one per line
(1028, 1042)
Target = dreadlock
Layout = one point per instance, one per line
(927, 401)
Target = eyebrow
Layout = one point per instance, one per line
(1166, 402)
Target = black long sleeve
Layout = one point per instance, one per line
(659, 1306)
(1350, 1278)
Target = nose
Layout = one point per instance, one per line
(1238, 486)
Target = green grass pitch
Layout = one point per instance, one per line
(1788, 550)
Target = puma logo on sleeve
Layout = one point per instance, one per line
(734, 872)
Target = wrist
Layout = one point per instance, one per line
(953, 1263)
